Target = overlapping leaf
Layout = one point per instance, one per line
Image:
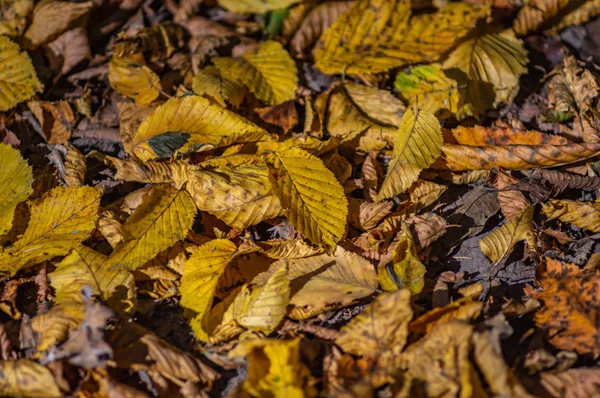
(131, 77)
(585, 215)
(18, 80)
(16, 179)
(502, 240)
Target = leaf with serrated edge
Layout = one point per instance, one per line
(416, 146)
(208, 83)
(15, 180)
(585, 215)
(188, 124)
(164, 217)
(199, 281)
(18, 80)
(502, 240)
(268, 71)
(59, 221)
(311, 194)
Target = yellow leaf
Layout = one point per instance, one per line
(18, 80)
(150, 172)
(324, 282)
(572, 89)
(164, 217)
(26, 378)
(209, 84)
(428, 88)
(275, 369)
(75, 167)
(314, 199)
(417, 145)
(56, 119)
(535, 12)
(260, 306)
(585, 215)
(379, 105)
(406, 269)
(59, 221)
(16, 179)
(131, 77)
(377, 35)
(199, 281)
(255, 6)
(14, 17)
(268, 71)
(502, 240)
(241, 196)
(288, 248)
(381, 329)
(189, 124)
(131, 116)
(488, 66)
(51, 18)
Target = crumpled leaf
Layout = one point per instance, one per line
(428, 88)
(18, 80)
(416, 146)
(210, 84)
(255, 6)
(14, 17)
(512, 201)
(502, 240)
(314, 199)
(570, 305)
(376, 35)
(56, 119)
(59, 221)
(69, 49)
(267, 71)
(75, 167)
(27, 378)
(164, 217)
(488, 66)
(381, 329)
(131, 117)
(158, 42)
(578, 16)
(406, 269)
(16, 180)
(131, 77)
(189, 124)
(572, 89)
(51, 18)
(274, 368)
(585, 215)
(535, 12)
(199, 281)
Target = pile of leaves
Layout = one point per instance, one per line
(289, 198)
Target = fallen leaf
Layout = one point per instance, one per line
(27, 378)
(75, 167)
(208, 83)
(14, 17)
(255, 6)
(502, 240)
(18, 80)
(585, 215)
(16, 178)
(131, 77)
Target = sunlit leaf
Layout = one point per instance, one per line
(158, 42)
(132, 78)
(585, 215)
(406, 270)
(18, 80)
(502, 240)
(255, 6)
(16, 179)
(208, 83)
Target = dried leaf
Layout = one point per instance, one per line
(585, 215)
(75, 167)
(535, 13)
(14, 17)
(406, 270)
(18, 80)
(512, 201)
(502, 240)
(572, 89)
(131, 77)
(158, 42)
(208, 83)
(16, 180)
(26, 378)
(56, 119)
(255, 6)
(484, 136)
(69, 49)
(267, 71)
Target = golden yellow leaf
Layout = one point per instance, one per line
(131, 116)
(131, 77)
(382, 327)
(199, 281)
(314, 199)
(16, 180)
(18, 80)
(75, 167)
(260, 306)
(241, 196)
(59, 221)
(376, 104)
(488, 67)
(513, 157)
(417, 145)
(164, 217)
(309, 144)
(109, 225)
(275, 369)
(288, 248)
(268, 71)
(51, 18)
(189, 124)
(255, 6)
(502, 240)
(209, 84)
(14, 17)
(585, 215)
(324, 282)
(26, 378)
(428, 88)
(377, 35)
(406, 270)
(150, 172)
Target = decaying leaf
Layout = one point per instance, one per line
(502, 240)
(406, 269)
(572, 89)
(585, 215)
(27, 378)
(18, 80)
(255, 6)
(131, 77)
(14, 17)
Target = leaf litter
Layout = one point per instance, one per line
(292, 198)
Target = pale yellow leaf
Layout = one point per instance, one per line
(16, 179)
(382, 327)
(255, 6)
(199, 281)
(164, 217)
(59, 221)
(268, 71)
(27, 378)
(191, 123)
(502, 240)
(376, 35)
(18, 80)
(314, 199)
(131, 77)
(417, 145)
